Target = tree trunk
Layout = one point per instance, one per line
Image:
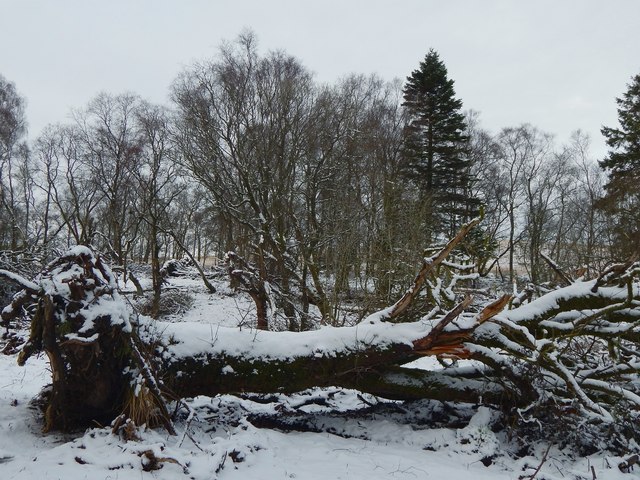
(374, 371)
(156, 275)
(99, 367)
(512, 230)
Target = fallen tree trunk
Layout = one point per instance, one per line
(363, 357)
(574, 349)
(367, 357)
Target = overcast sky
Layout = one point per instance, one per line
(557, 64)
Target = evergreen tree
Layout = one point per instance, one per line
(622, 198)
(436, 147)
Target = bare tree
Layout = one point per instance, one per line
(301, 176)
(112, 147)
(157, 184)
(14, 159)
(513, 154)
(588, 237)
(542, 174)
(486, 174)
(244, 131)
(69, 187)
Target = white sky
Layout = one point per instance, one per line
(557, 64)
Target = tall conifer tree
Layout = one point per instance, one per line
(436, 147)
(622, 164)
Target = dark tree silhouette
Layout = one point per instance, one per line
(622, 164)
(436, 146)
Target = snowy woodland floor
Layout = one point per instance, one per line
(348, 435)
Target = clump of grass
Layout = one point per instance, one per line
(141, 405)
(172, 302)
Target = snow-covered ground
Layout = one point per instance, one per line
(230, 438)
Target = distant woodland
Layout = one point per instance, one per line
(328, 191)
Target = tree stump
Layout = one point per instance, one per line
(85, 329)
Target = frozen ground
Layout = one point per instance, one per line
(235, 438)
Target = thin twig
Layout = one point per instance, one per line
(542, 462)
